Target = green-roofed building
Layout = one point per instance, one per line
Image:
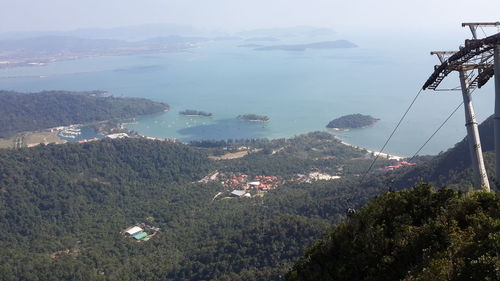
(140, 235)
(145, 239)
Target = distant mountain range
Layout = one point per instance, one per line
(143, 32)
(36, 48)
(52, 48)
(132, 33)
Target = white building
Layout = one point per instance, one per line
(238, 193)
(117, 136)
(133, 230)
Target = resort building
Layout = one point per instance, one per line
(140, 235)
(238, 193)
(133, 230)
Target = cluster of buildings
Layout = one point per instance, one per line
(69, 132)
(240, 193)
(235, 181)
(88, 140)
(117, 136)
(139, 233)
(244, 186)
(314, 176)
(242, 182)
(398, 165)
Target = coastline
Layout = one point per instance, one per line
(375, 153)
(36, 61)
(120, 127)
(347, 129)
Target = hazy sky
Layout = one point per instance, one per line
(231, 15)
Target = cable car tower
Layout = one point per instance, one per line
(476, 62)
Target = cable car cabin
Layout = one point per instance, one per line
(350, 212)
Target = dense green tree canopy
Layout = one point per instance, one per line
(417, 234)
(28, 112)
(74, 199)
(352, 121)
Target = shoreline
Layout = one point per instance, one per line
(120, 126)
(7, 63)
(375, 153)
(348, 129)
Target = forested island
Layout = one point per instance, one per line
(22, 112)
(352, 121)
(253, 118)
(191, 112)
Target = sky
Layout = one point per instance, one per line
(236, 15)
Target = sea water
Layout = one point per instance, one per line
(300, 91)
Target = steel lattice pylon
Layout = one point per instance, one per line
(476, 61)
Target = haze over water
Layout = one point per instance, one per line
(300, 92)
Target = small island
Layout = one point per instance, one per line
(352, 121)
(253, 118)
(191, 112)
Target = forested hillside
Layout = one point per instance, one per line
(73, 200)
(315, 151)
(28, 112)
(64, 206)
(417, 234)
(452, 167)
